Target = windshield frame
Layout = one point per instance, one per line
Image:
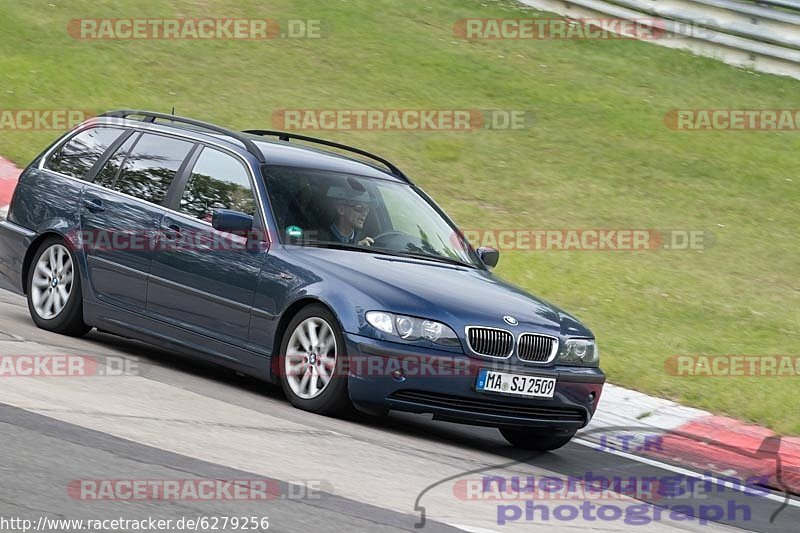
(476, 263)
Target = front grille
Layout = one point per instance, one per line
(490, 406)
(536, 348)
(491, 342)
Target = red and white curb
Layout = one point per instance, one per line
(9, 174)
(694, 438)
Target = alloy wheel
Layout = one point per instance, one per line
(52, 282)
(310, 360)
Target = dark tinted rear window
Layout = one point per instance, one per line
(77, 156)
(151, 167)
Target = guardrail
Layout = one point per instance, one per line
(788, 4)
(763, 35)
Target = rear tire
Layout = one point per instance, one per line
(536, 439)
(310, 360)
(53, 287)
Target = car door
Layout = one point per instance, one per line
(202, 279)
(54, 193)
(121, 213)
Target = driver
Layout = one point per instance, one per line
(351, 209)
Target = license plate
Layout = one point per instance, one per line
(530, 386)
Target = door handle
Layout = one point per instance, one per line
(94, 205)
(171, 231)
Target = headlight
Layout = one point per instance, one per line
(580, 352)
(412, 329)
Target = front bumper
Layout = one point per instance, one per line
(397, 377)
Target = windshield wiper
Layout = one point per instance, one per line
(422, 253)
(352, 247)
(437, 258)
(384, 251)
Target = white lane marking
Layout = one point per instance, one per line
(471, 529)
(688, 473)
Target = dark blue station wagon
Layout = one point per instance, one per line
(300, 261)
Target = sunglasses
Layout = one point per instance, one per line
(359, 208)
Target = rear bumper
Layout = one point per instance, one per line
(14, 243)
(443, 384)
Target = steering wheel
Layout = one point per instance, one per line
(388, 235)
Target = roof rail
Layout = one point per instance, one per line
(150, 116)
(285, 136)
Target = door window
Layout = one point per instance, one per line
(151, 166)
(218, 181)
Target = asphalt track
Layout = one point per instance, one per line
(173, 418)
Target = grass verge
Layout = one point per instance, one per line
(597, 156)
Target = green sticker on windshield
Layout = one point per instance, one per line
(294, 231)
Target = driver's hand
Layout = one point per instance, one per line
(368, 241)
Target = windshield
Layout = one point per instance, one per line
(322, 208)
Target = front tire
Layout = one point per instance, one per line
(312, 352)
(55, 300)
(536, 439)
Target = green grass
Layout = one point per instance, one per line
(598, 156)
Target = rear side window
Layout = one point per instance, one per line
(80, 153)
(218, 181)
(151, 166)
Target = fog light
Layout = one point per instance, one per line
(398, 375)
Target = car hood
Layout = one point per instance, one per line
(456, 295)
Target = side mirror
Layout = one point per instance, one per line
(229, 221)
(489, 256)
